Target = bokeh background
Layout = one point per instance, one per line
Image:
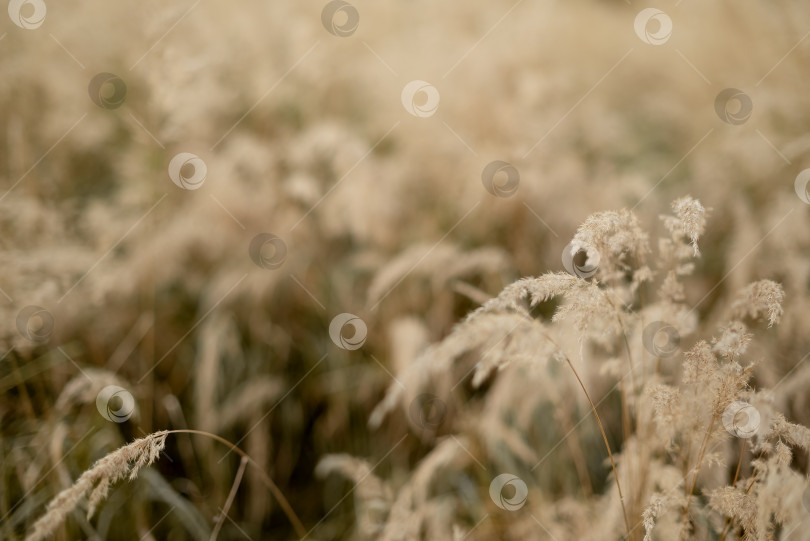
(300, 121)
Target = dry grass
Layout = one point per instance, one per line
(95, 482)
(610, 391)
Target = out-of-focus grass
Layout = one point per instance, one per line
(304, 136)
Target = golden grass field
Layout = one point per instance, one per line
(514, 270)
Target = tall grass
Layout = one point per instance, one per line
(131, 307)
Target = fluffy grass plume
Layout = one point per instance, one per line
(483, 356)
(95, 483)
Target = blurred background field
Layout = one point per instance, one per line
(383, 215)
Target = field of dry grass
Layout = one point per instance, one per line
(367, 270)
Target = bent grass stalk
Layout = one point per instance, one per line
(282, 500)
(602, 430)
(607, 445)
(627, 420)
(125, 461)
